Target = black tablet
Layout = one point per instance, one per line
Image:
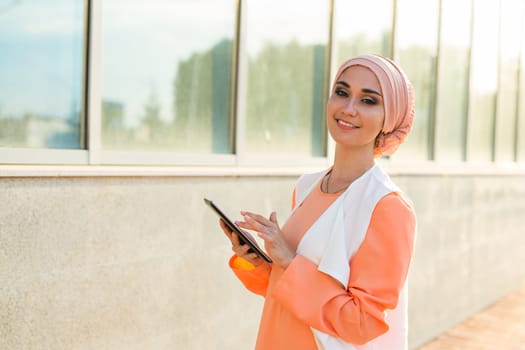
(244, 237)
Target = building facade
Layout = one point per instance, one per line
(118, 117)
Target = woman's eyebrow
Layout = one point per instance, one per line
(370, 91)
(365, 90)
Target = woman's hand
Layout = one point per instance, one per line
(269, 231)
(241, 250)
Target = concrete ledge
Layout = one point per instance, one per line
(392, 167)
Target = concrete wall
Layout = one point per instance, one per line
(139, 263)
(469, 249)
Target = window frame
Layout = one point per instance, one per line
(93, 160)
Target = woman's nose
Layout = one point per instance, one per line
(350, 107)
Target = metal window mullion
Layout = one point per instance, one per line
(332, 66)
(496, 122)
(241, 83)
(468, 120)
(393, 30)
(433, 132)
(94, 82)
(519, 83)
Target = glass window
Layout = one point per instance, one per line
(508, 80)
(167, 83)
(41, 64)
(286, 84)
(483, 81)
(452, 84)
(415, 50)
(357, 33)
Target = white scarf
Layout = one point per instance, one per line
(347, 221)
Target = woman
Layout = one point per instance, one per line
(340, 262)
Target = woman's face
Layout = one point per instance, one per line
(355, 112)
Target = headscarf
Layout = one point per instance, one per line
(398, 99)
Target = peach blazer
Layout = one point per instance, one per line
(345, 288)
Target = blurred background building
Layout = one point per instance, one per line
(118, 117)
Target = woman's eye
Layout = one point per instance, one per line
(340, 92)
(369, 101)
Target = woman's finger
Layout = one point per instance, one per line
(268, 226)
(254, 259)
(266, 238)
(256, 217)
(242, 251)
(235, 239)
(225, 228)
(273, 218)
(251, 224)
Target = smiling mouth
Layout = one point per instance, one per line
(346, 124)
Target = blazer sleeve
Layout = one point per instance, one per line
(378, 273)
(255, 279)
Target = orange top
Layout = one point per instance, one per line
(301, 297)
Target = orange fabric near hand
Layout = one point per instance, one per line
(301, 297)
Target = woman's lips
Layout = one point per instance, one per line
(346, 125)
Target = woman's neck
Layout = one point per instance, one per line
(348, 166)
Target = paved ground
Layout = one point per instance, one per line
(499, 327)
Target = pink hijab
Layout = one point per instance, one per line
(398, 97)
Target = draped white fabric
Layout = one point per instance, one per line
(336, 236)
